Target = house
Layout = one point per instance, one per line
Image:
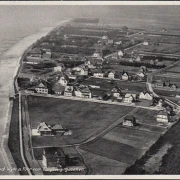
(120, 53)
(129, 98)
(58, 89)
(141, 74)
(44, 130)
(68, 91)
(160, 103)
(145, 43)
(82, 91)
(116, 92)
(63, 80)
(118, 43)
(162, 116)
(57, 129)
(129, 121)
(53, 158)
(110, 41)
(173, 86)
(125, 76)
(104, 96)
(159, 83)
(82, 71)
(59, 68)
(147, 96)
(41, 88)
(104, 37)
(98, 73)
(138, 59)
(167, 83)
(111, 74)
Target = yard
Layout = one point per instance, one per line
(83, 118)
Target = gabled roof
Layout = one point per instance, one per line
(57, 127)
(41, 85)
(43, 127)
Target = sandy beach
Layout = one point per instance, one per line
(9, 64)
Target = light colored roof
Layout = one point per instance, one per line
(43, 127)
(57, 126)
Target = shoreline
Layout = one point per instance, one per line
(10, 64)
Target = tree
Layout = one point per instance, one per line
(125, 28)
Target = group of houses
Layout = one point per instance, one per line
(165, 84)
(43, 129)
(57, 160)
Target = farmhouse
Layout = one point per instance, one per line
(41, 88)
(53, 158)
(44, 130)
(116, 92)
(80, 71)
(162, 116)
(129, 121)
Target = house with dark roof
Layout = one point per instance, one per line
(41, 88)
(129, 121)
(54, 158)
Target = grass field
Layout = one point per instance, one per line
(83, 118)
(100, 165)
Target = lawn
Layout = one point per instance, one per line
(83, 118)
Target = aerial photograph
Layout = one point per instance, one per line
(89, 89)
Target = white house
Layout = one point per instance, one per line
(120, 53)
(141, 74)
(81, 71)
(59, 68)
(138, 59)
(145, 43)
(111, 74)
(129, 98)
(146, 96)
(162, 117)
(125, 76)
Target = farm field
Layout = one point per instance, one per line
(161, 48)
(83, 118)
(100, 165)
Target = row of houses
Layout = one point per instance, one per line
(165, 84)
(43, 129)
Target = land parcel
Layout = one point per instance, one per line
(84, 119)
(122, 146)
